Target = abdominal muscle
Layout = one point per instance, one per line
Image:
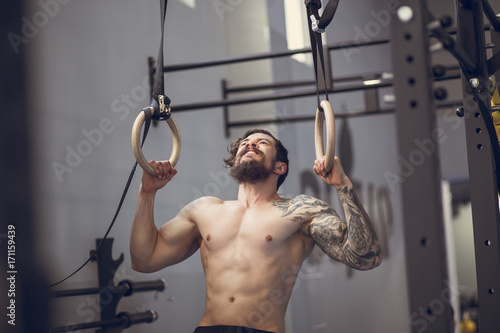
(249, 287)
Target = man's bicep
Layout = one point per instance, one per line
(178, 239)
(329, 232)
(331, 235)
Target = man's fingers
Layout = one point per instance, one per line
(172, 173)
(162, 168)
(159, 174)
(168, 171)
(319, 167)
(156, 166)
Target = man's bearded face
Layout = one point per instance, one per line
(251, 169)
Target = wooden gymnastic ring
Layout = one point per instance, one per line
(325, 115)
(136, 143)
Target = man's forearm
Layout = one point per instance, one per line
(144, 234)
(361, 232)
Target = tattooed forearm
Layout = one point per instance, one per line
(362, 238)
(361, 231)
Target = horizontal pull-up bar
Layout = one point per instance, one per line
(281, 85)
(126, 287)
(268, 55)
(267, 98)
(280, 96)
(441, 73)
(284, 120)
(271, 55)
(349, 114)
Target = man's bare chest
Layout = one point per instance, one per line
(263, 227)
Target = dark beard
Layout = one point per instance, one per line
(250, 172)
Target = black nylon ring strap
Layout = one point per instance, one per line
(316, 25)
(160, 108)
(312, 10)
(158, 89)
(315, 38)
(328, 14)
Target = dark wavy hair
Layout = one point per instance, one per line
(281, 152)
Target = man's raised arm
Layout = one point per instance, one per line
(152, 249)
(354, 241)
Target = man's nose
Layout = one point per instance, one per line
(251, 144)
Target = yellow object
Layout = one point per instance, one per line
(468, 326)
(496, 122)
(495, 102)
(495, 98)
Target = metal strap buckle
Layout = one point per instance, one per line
(314, 25)
(164, 108)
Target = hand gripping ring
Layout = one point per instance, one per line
(136, 143)
(326, 114)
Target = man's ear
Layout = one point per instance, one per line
(279, 168)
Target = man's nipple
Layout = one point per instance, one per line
(269, 238)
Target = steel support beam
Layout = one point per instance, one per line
(482, 175)
(419, 171)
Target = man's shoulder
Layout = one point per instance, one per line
(300, 200)
(299, 204)
(200, 204)
(209, 200)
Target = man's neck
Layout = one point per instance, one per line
(253, 194)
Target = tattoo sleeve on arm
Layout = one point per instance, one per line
(361, 247)
(353, 243)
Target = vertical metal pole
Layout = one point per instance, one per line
(482, 175)
(419, 171)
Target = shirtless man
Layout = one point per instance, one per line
(252, 248)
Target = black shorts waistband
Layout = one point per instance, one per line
(227, 329)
